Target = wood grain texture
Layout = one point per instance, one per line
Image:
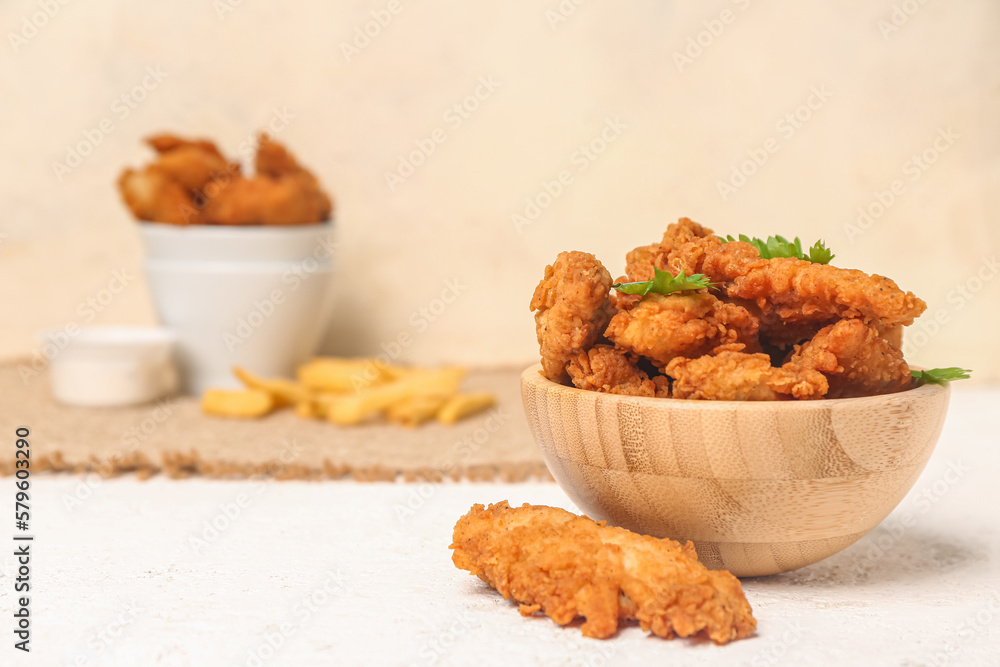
(759, 487)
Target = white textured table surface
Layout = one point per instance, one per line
(338, 573)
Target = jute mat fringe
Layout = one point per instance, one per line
(174, 438)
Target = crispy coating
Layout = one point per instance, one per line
(192, 183)
(273, 159)
(856, 360)
(690, 257)
(164, 143)
(838, 331)
(725, 261)
(191, 166)
(621, 300)
(777, 333)
(568, 566)
(639, 262)
(662, 327)
(732, 375)
(286, 200)
(795, 290)
(606, 369)
(572, 308)
(152, 195)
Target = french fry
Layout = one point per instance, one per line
(464, 405)
(349, 391)
(332, 374)
(308, 409)
(415, 410)
(245, 403)
(353, 408)
(284, 392)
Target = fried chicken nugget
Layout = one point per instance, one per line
(152, 195)
(856, 360)
(639, 262)
(733, 375)
(606, 369)
(661, 327)
(568, 566)
(572, 308)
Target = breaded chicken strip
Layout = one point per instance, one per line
(193, 167)
(290, 199)
(732, 375)
(572, 308)
(796, 290)
(662, 327)
(569, 566)
(639, 262)
(606, 369)
(282, 193)
(856, 360)
(153, 196)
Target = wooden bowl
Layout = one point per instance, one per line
(759, 487)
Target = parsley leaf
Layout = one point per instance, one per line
(819, 253)
(779, 246)
(941, 375)
(663, 282)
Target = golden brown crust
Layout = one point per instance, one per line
(839, 330)
(796, 290)
(286, 200)
(192, 183)
(856, 360)
(727, 261)
(681, 325)
(732, 375)
(606, 369)
(571, 307)
(690, 257)
(273, 159)
(192, 166)
(568, 566)
(165, 143)
(640, 261)
(152, 195)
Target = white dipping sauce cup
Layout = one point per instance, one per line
(256, 297)
(112, 366)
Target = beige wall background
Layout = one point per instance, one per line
(848, 101)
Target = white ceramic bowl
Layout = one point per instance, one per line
(256, 297)
(111, 366)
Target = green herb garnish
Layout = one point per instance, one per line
(779, 246)
(941, 375)
(663, 282)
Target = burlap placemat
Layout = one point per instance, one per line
(173, 437)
